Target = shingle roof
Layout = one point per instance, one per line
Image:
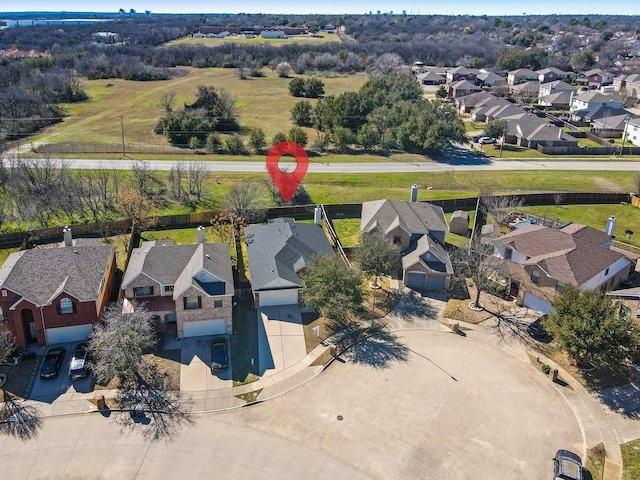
(559, 85)
(178, 265)
(574, 254)
(281, 248)
(429, 253)
(39, 275)
(413, 217)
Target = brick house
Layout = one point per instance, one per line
(541, 261)
(418, 229)
(55, 295)
(189, 285)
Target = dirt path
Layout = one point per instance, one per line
(608, 185)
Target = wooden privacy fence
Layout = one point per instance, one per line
(299, 212)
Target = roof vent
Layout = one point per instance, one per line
(208, 256)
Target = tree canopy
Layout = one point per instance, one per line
(378, 256)
(588, 326)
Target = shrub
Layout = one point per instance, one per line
(546, 369)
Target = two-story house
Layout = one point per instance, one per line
(595, 78)
(58, 294)
(541, 261)
(521, 75)
(589, 100)
(191, 285)
(632, 131)
(418, 229)
(551, 74)
(555, 86)
(461, 73)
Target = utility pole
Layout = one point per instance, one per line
(624, 134)
(124, 152)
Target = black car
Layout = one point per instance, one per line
(52, 362)
(78, 366)
(219, 358)
(567, 466)
(537, 331)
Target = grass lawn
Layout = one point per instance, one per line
(348, 230)
(595, 461)
(631, 460)
(242, 40)
(262, 102)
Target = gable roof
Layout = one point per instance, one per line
(523, 72)
(592, 97)
(555, 70)
(557, 98)
(559, 85)
(39, 275)
(574, 254)
(178, 265)
(429, 253)
(281, 248)
(549, 132)
(430, 75)
(416, 218)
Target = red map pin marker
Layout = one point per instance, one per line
(287, 182)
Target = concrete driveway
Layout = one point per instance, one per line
(280, 338)
(456, 408)
(195, 368)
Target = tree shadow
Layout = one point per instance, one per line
(19, 418)
(163, 410)
(414, 305)
(376, 347)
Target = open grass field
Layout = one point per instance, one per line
(263, 102)
(631, 460)
(242, 40)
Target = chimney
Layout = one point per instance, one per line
(414, 193)
(200, 234)
(317, 215)
(559, 133)
(66, 235)
(611, 226)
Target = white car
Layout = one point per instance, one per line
(486, 140)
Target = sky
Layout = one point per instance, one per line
(423, 7)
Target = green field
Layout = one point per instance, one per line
(263, 102)
(242, 40)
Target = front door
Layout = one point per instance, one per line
(29, 326)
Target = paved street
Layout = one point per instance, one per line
(456, 407)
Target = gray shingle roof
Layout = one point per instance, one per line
(178, 265)
(41, 274)
(429, 253)
(280, 249)
(413, 217)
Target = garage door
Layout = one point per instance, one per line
(536, 303)
(204, 327)
(416, 279)
(436, 282)
(279, 297)
(76, 333)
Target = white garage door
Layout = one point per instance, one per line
(279, 297)
(536, 303)
(416, 279)
(204, 327)
(76, 333)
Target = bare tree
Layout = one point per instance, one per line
(246, 200)
(477, 262)
(166, 101)
(19, 418)
(385, 64)
(558, 198)
(198, 175)
(137, 209)
(7, 343)
(143, 178)
(499, 206)
(176, 175)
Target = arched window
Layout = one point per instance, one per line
(66, 306)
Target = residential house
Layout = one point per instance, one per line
(419, 231)
(490, 79)
(521, 75)
(522, 126)
(541, 261)
(556, 86)
(595, 78)
(189, 285)
(590, 100)
(506, 112)
(632, 131)
(461, 88)
(556, 101)
(611, 126)
(551, 74)
(430, 78)
(462, 73)
(57, 294)
(546, 135)
(525, 92)
(277, 252)
(468, 102)
(494, 106)
(628, 83)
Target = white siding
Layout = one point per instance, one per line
(287, 296)
(204, 327)
(601, 278)
(76, 333)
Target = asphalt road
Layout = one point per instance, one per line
(315, 166)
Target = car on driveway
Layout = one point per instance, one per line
(52, 363)
(78, 366)
(567, 466)
(537, 331)
(486, 140)
(219, 355)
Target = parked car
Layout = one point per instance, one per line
(486, 140)
(78, 366)
(52, 363)
(537, 331)
(567, 466)
(219, 357)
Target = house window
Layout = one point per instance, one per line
(560, 286)
(535, 276)
(606, 272)
(507, 253)
(168, 288)
(66, 306)
(143, 291)
(2, 319)
(4, 293)
(192, 303)
(397, 240)
(217, 302)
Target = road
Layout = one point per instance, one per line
(315, 166)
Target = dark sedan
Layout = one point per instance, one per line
(52, 363)
(219, 357)
(78, 366)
